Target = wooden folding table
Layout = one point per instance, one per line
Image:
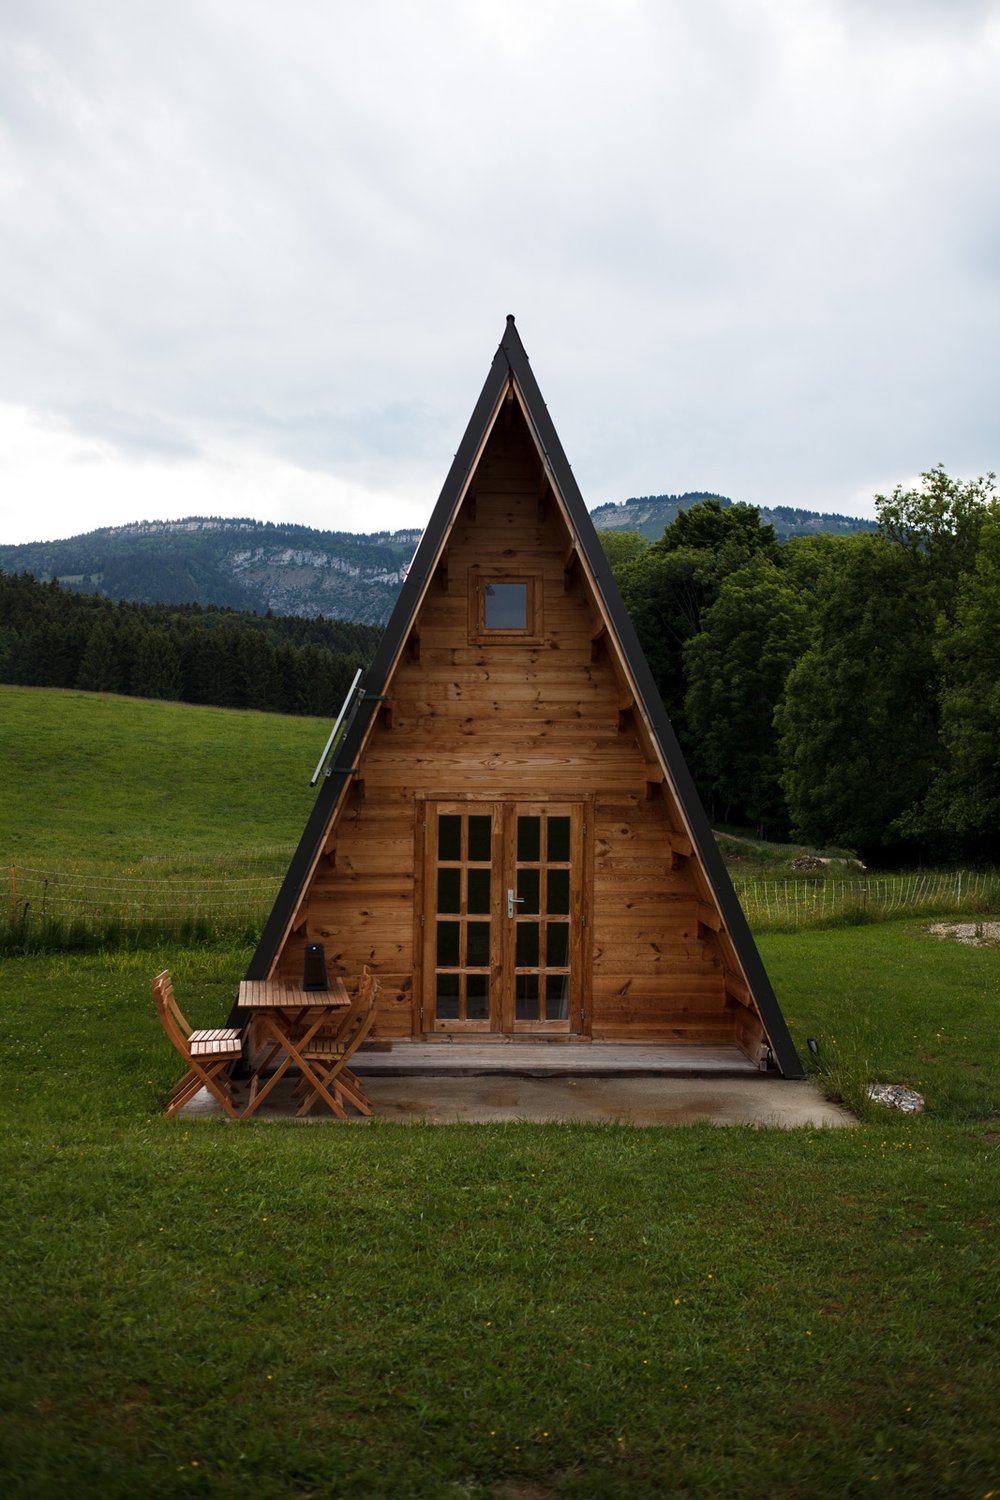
(289, 1018)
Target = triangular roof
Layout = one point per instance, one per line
(511, 372)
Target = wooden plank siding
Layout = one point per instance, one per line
(511, 721)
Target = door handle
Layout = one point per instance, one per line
(513, 901)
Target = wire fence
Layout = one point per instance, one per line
(217, 893)
(237, 889)
(803, 902)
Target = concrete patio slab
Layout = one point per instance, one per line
(437, 1099)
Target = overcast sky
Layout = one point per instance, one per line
(255, 258)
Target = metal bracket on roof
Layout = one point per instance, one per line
(335, 731)
(362, 697)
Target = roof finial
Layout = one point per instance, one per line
(510, 317)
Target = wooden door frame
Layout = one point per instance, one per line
(540, 808)
(503, 806)
(425, 905)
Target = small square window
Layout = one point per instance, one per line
(505, 606)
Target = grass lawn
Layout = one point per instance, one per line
(95, 777)
(502, 1311)
(123, 817)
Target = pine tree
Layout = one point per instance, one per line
(99, 668)
(157, 672)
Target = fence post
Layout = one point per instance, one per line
(13, 887)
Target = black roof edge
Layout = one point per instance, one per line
(511, 358)
(782, 1046)
(375, 679)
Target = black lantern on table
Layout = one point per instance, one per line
(314, 968)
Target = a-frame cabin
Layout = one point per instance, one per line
(508, 833)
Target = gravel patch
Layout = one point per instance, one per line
(975, 934)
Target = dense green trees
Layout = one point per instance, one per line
(54, 637)
(841, 688)
(99, 670)
(877, 742)
(965, 794)
(736, 668)
(938, 526)
(668, 586)
(622, 547)
(856, 721)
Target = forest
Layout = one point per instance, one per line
(843, 690)
(55, 637)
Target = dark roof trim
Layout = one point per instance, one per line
(511, 359)
(333, 785)
(588, 541)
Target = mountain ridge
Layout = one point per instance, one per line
(649, 514)
(289, 569)
(234, 563)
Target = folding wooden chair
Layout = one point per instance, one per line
(207, 1052)
(327, 1055)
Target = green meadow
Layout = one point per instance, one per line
(507, 1312)
(124, 818)
(96, 777)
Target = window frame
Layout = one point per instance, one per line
(479, 633)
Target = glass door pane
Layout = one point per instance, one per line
(457, 985)
(544, 869)
(503, 893)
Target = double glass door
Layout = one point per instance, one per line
(502, 918)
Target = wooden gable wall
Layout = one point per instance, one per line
(510, 721)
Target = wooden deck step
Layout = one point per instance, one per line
(551, 1059)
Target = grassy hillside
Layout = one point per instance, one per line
(122, 818)
(91, 776)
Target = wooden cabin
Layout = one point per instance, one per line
(508, 833)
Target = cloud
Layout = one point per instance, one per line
(92, 482)
(751, 247)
